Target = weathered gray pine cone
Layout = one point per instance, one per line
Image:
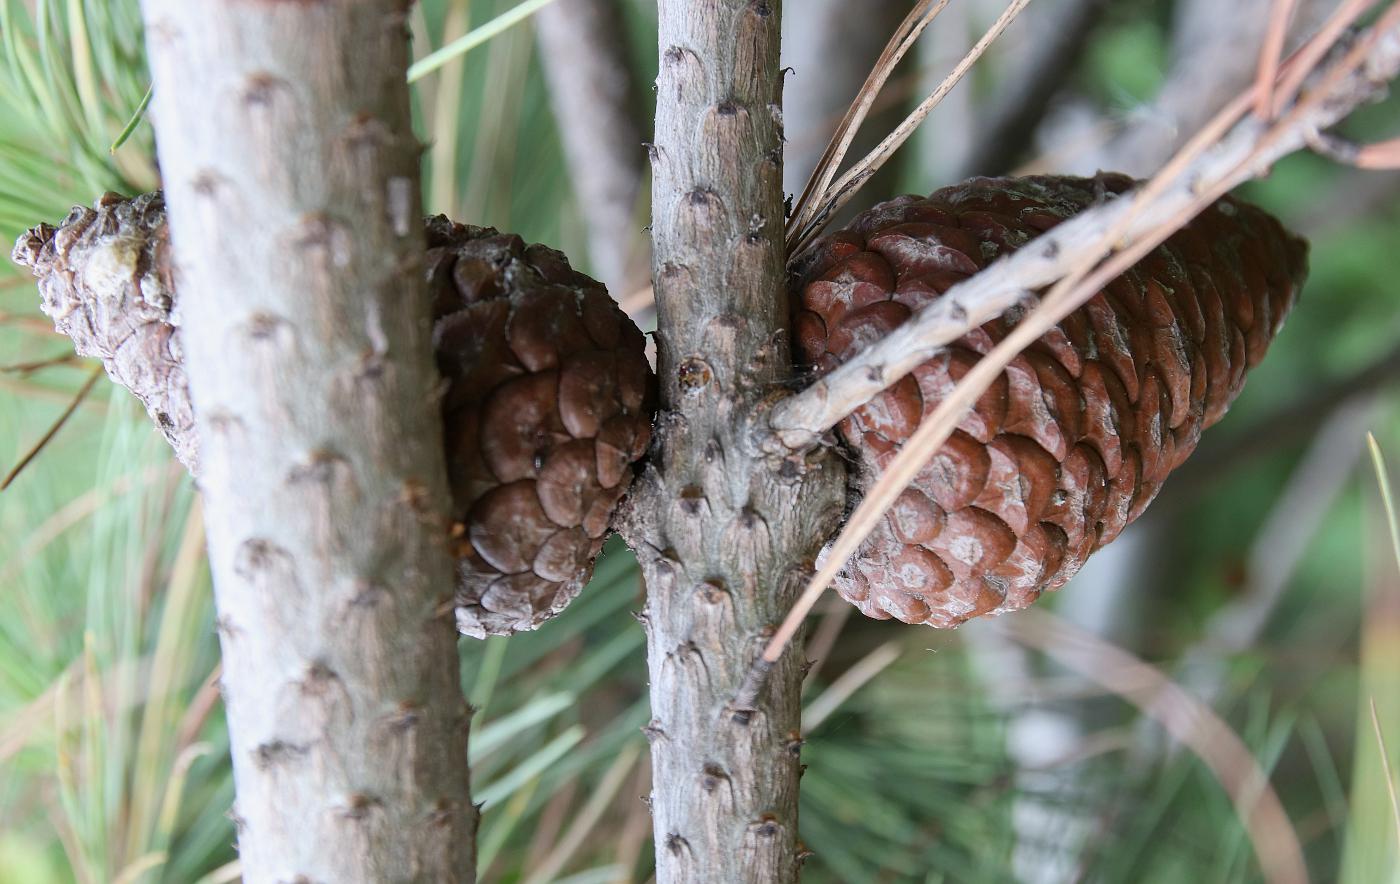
(105, 280)
(1076, 436)
(547, 402)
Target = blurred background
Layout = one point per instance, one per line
(1251, 618)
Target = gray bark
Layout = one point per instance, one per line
(291, 174)
(725, 532)
(584, 57)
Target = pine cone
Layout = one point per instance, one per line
(1074, 439)
(546, 404)
(105, 280)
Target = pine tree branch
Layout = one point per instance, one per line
(1215, 53)
(724, 532)
(292, 179)
(584, 57)
(1246, 152)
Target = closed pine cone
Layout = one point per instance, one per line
(547, 407)
(1076, 436)
(546, 402)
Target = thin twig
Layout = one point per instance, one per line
(1133, 224)
(1188, 720)
(919, 18)
(848, 683)
(830, 199)
(53, 429)
(1053, 54)
(1267, 72)
(1311, 54)
(1382, 155)
(28, 368)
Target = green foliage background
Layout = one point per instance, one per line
(113, 763)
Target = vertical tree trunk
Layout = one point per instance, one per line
(725, 533)
(292, 180)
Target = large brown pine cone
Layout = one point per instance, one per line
(546, 404)
(1075, 438)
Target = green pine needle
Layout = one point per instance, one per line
(474, 38)
(132, 123)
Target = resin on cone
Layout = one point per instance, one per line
(546, 401)
(1074, 439)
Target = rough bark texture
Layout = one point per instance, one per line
(584, 56)
(725, 533)
(292, 178)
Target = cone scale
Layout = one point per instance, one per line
(1074, 439)
(546, 401)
